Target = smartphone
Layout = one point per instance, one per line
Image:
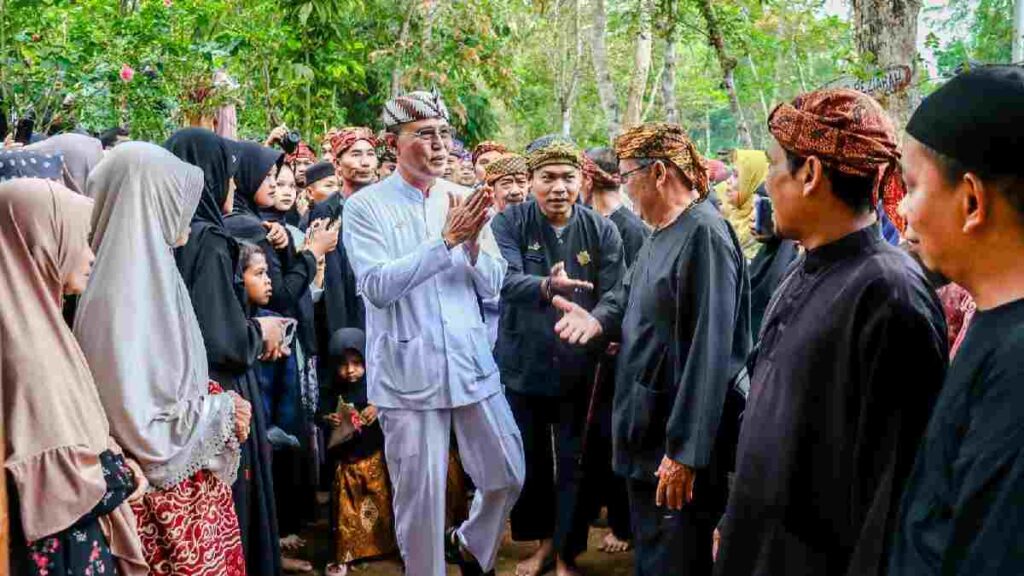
(764, 224)
(290, 326)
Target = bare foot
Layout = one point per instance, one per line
(539, 562)
(295, 566)
(563, 568)
(336, 570)
(613, 545)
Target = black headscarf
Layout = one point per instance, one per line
(254, 162)
(347, 339)
(218, 159)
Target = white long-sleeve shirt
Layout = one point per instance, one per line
(427, 345)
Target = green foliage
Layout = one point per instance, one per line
(971, 30)
(314, 64)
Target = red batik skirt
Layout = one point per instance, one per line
(191, 529)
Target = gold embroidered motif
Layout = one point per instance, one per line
(583, 258)
(534, 246)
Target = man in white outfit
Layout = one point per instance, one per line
(423, 259)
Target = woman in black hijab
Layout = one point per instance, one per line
(209, 266)
(290, 271)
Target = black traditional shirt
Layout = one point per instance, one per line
(963, 508)
(685, 335)
(632, 230)
(531, 357)
(851, 358)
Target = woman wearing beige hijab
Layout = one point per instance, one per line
(71, 484)
(139, 332)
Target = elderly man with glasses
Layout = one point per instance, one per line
(423, 258)
(684, 324)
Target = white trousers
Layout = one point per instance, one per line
(416, 446)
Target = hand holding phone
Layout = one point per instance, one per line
(764, 223)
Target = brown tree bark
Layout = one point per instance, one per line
(599, 55)
(885, 32)
(728, 65)
(641, 66)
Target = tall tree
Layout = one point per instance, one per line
(668, 75)
(728, 66)
(1018, 31)
(641, 65)
(570, 50)
(403, 39)
(599, 55)
(885, 33)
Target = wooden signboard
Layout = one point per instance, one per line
(888, 81)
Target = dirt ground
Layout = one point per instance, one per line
(591, 563)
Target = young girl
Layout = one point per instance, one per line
(361, 515)
(285, 414)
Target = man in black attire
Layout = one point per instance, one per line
(684, 315)
(852, 354)
(553, 246)
(962, 507)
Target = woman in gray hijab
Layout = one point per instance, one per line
(81, 154)
(138, 330)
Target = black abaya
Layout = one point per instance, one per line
(209, 266)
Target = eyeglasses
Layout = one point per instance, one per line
(428, 135)
(643, 165)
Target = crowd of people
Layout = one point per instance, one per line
(800, 360)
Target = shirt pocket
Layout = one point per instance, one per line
(403, 364)
(483, 357)
(648, 415)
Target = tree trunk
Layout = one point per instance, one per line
(654, 93)
(668, 75)
(707, 132)
(599, 55)
(641, 66)
(1018, 31)
(403, 39)
(570, 51)
(885, 32)
(728, 65)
